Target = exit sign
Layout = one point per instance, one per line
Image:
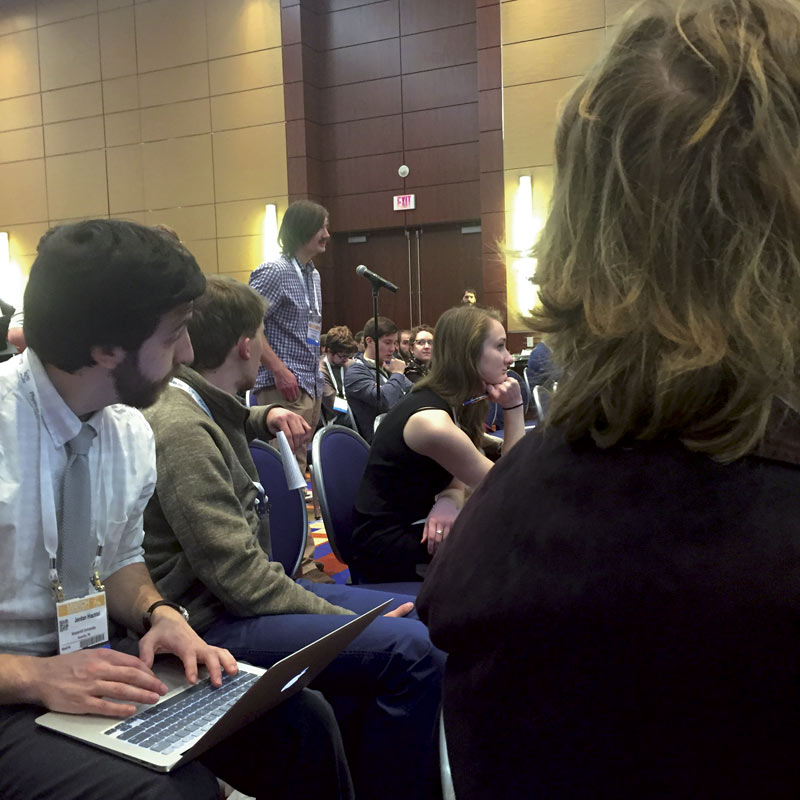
(404, 202)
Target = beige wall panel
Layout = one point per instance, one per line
(170, 33)
(22, 239)
(615, 10)
(249, 71)
(72, 103)
(21, 144)
(69, 53)
(530, 115)
(16, 15)
(25, 262)
(117, 43)
(241, 26)
(250, 162)
(177, 119)
(58, 10)
(108, 5)
(239, 253)
(178, 172)
(205, 252)
(19, 64)
(246, 217)
(174, 85)
(191, 222)
(551, 58)
(26, 201)
(20, 112)
(120, 94)
(125, 179)
(134, 216)
(77, 185)
(243, 109)
(123, 128)
(533, 19)
(242, 276)
(74, 137)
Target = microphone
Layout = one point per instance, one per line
(375, 279)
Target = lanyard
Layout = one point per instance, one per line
(48, 502)
(315, 308)
(341, 377)
(261, 500)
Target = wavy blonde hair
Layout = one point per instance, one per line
(669, 267)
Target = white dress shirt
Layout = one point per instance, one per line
(122, 466)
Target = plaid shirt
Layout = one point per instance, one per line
(290, 306)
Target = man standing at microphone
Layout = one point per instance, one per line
(292, 324)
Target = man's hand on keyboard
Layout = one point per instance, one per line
(172, 634)
(78, 683)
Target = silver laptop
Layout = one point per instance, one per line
(189, 719)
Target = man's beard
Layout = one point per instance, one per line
(133, 388)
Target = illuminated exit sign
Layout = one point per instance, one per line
(404, 202)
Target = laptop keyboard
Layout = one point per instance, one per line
(172, 724)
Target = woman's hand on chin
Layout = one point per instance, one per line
(506, 394)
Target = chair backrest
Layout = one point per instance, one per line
(542, 399)
(288, 518)
(338, 463)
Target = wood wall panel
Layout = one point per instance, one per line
(453, 202)
(435, 165)
(440, 126)
(436, 49)
(449, 86)
(365, 174)
(367, 23)
(361, 100)
(362, 62)
(362, 138)
(417, 16)
(362, 212)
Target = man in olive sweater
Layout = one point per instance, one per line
(207, 549)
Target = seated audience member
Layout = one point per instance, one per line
(404, 345)
(432, 439)
(470, 297)
(339, 349)
(207, 547)
(540, 369)
(650, 552)
(7, 347)
(421, 351)
(359, 337)
(106, 308)
(359, 379)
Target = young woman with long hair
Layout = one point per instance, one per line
(432, 440)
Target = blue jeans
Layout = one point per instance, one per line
(385, 687)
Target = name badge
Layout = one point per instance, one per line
(82, 622)
(314, 332)
(340, 404)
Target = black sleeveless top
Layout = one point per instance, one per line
(399, 486)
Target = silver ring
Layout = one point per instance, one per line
(439, 531)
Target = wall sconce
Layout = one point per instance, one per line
(270, 249)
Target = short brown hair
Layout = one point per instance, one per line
(385, 328)
(339, 339)
(223, 314)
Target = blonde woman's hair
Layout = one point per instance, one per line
(459, 335)
(669, 268)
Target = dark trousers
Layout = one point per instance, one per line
(266, 759)
(385, 687)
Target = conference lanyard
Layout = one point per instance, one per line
(339, 392)
(315, 308)
(48, 502)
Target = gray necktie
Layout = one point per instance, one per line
(76, 545)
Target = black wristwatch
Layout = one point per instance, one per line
(147, 616)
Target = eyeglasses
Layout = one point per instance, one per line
(423, 342)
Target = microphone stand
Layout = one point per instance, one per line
(375, 290)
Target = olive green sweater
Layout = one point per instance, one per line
(204, 545)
